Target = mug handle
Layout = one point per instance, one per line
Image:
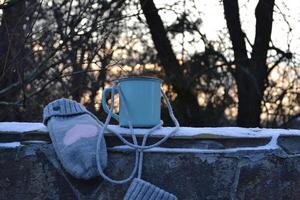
(104, 105)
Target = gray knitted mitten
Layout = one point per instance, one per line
(74, 133)
(142, 190)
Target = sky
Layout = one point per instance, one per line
(213, 21)
(212, 16)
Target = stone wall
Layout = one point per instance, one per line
(31, 171)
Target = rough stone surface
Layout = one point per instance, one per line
(32, 172)
(290, 144)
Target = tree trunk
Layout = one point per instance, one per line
(250, 74)
(186, 107)
(13, 60)
(12, 47)
(78, 81)
(163, 46)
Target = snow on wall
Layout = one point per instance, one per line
(183, 131)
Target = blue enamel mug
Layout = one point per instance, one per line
(139, 101)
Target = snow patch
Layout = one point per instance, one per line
(21, 127)
(10, 145)
(217, 131)
(270, 146)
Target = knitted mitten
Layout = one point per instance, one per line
(74, 133)
(142, 190)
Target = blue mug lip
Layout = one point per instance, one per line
(139, 78)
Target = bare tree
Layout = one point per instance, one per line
(54, 49)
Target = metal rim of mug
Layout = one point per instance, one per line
(139, 78)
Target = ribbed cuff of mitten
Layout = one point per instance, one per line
(140, 190)
(62, 107)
